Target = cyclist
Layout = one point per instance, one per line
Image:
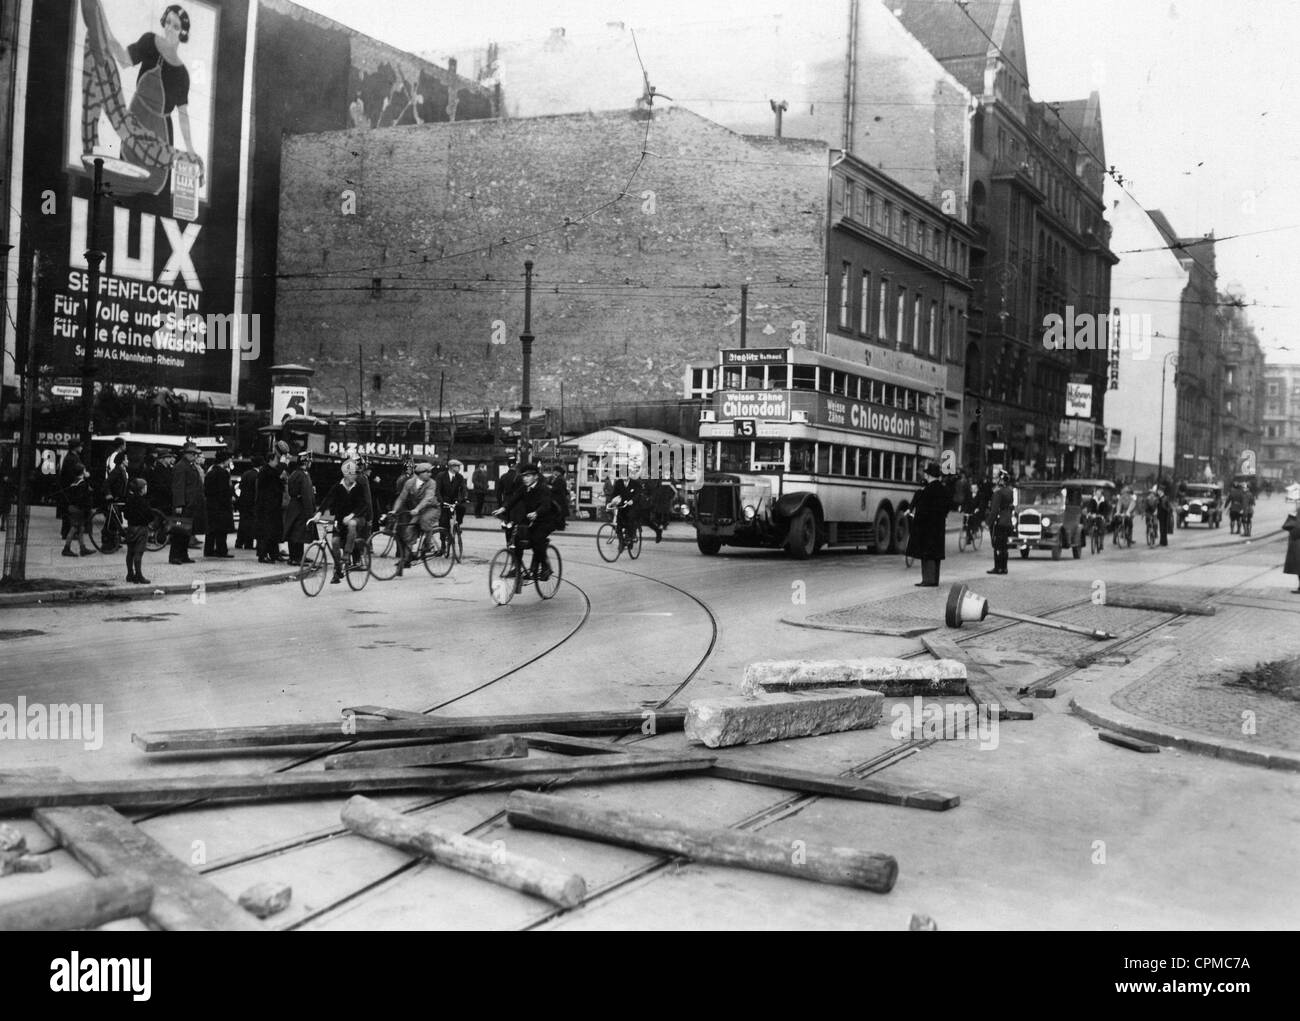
(532, 509)
(452, 494)
(970, 511)
(624, 497)
(349, 502)
(414, 511)
(1124, 516)
(1236, 500)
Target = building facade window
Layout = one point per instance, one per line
(864, 323)
(916, 322)
(901, 328)
(934, 329)
(882, 328)
(845, 272)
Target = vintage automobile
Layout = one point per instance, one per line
(1201, 504)
(1049, 515)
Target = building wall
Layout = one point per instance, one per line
(417, 299)
(908, 113)
(1279, 452)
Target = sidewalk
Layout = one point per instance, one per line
(1166, 687)
(52, 577)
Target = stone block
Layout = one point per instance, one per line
(893, 678)
(11, 838)
(19, 861)
(266, 899)
(752, 719)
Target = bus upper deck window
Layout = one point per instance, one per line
(804, 377)
(733, 379)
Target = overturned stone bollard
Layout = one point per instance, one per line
(891, 677)
(753, 719)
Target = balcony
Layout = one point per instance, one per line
(1019, 175)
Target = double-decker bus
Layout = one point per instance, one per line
(804, 450)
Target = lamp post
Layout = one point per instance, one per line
(526, 342)
(1164, 366)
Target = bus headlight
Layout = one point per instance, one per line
(1047, 522)
(749, 513)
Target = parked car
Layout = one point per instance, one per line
(1201, 504)
(1049, 515)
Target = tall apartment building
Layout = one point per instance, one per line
(1279, 455)
(1036, 200)
(1241, 416)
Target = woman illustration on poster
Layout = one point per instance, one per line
(162, 85)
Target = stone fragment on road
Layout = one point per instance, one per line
(266, 899)
(11, 838)
(891, 677)
(753, 719)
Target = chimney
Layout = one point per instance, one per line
(451, 65)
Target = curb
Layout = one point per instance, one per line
(1113, 718)
(121, 595)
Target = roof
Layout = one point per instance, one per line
(1164, 226)
(945, 30)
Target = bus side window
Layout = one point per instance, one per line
(804, 377)
(823, 459)
(801, 456)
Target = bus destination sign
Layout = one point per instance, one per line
(754, 356)
(767, 405)
(860, 416)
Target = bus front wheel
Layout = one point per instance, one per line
(801, 540)
(884, 528)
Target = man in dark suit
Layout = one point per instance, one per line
(507, 483)
(218, 498)
(269, 508)
(452, 496)
(247, 536)
(927, 537)
(187, 504)
(1001, 524)
(532, 510)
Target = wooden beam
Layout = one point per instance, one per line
(109, 844)
(982, 686)
(179, 790)
(431, 754)
(84, 906)
(383, 712)
(800, 780)
(820, 862)
(426, 727)
(1124, 741)
(447, 847)
(1144, 601)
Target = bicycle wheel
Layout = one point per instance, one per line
(98, 522)
(438, 566)
(500, 587)
(1097, 540)
(1245, 526)
(961, 539)
(157, 538)
(359, 573)
(382, 554)
(1151, 532)
(607, 543)
(458, 546)
(547, 587)
(977, 537)
(634, 547)
(311, 572)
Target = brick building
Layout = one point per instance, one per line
(1241, 420)
(1037, 171)
(898, 286)
(1279, 454)
(641, 229)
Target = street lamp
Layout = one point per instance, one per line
(1164, 366)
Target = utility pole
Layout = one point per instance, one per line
(526, 342)
(93, 259)
(16, 567)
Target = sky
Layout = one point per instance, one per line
(1200, 103)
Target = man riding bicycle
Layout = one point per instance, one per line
(451, 494)
(349, 502)
(416, 511)
(532, 510)
(624, 497)
(1124, 516)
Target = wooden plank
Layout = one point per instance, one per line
(820, 862)
(109, 844)
(179, 790)
(1129, 599)
(1124, 741)
(838, 787)
(84, 906)
(457, 851)
(431, 754)
(427, 727)
(383, 712)
(981, 685)
(804, 781)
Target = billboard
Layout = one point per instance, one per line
(1078, 400)
(156, 92)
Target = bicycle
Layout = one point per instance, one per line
(1153, 528)
(1246, 516)
(971, 533)
(100, 520)
(389, 552)
(613, 531)
(506, 575)
(317, 559)
(1124, 531)
(454, 545)
(1097, 533)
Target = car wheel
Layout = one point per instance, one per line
(709, 545)
(884, 530)
(801, 539)
(1056, 550)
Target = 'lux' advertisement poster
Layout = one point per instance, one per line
(155, 93)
